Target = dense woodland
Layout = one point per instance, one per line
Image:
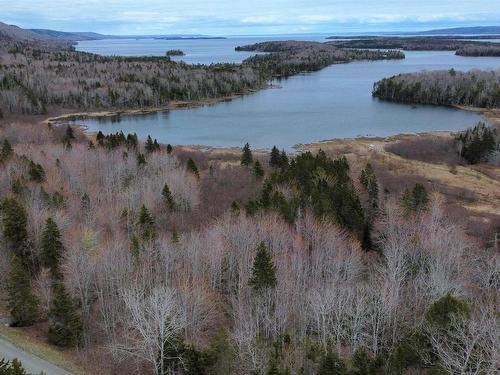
(475, 88)
(292, 57)
(491, 51)
(427, 43)
(37, 80)
(161, 260)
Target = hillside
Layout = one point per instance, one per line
(476, 30)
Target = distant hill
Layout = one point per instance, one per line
(63, 35)
(476, 30)
(12, 32)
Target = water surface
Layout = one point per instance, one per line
(335, 102)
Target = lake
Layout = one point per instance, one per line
(335, 102)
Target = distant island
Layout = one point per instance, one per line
(175, 52)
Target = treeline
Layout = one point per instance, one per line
(412, 43)
(292, 57)
(474, 88)
(478, 51)
(37, 80)
(478, 144)
(267, 267)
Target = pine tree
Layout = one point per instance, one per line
(14, 221)
(191, 167)
(147, 224)
(52, 248)
(21, 301)
(169, 149)
(65, 326)
(257, 169)
(331, 364)
(167, 197)
(263, 270)
(246, 156)
(275, 159)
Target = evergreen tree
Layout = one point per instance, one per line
(363, 364)
(235, 208)
(191, 167)
(167, 197)
(147, 224)
(21, 301)
(6, 150)
(65, 326)
(141, 160)
(420, 197)
(14, 221)
(246, 156)
(263, 270)
(68, 137)
(150, 147)
(52, 248)
(331, 364)
(441, 312)
(14, 367)
(36, 172)
(284, 160)
(275, 159)
(257, 170)
(175, 235)
(169, 149)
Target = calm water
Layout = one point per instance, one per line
(335, 102)
(197, 51)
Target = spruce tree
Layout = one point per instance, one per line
(257, 169)
(284, 160)
(191, 167)
(331, 364)
(6, 150)
(65, 326)
(141, 159)
(149, 147)
(275, 159)
(14, 222)
(169, 149)
(36, 172)
(147, 224)
(52, 248)
(246, 156)
(263, 270)
(167, 197)
(420, 197)
(21, 301)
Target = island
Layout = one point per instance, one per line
(175, 52)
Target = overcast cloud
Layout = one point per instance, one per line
(224, 17)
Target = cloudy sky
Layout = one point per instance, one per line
(231, 17)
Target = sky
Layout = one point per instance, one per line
(247, 17)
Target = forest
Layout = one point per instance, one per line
(39, 80)
(427, 43)
(165, 260)
(291, 57)
(475, 88)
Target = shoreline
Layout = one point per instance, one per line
(490, 115)
(172, 106)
